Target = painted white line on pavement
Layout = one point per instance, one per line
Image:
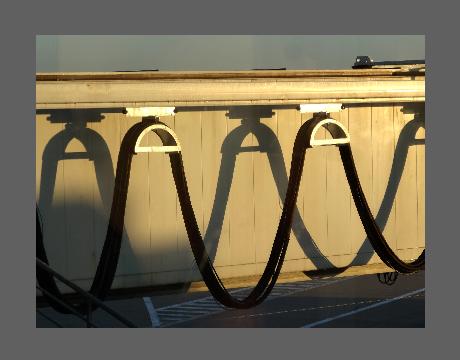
(154, 319)
(190, 309)
(316, 323)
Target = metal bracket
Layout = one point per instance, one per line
(317, 108)
(150, 111)
(167, 136)
(365, 62)
(337, 130)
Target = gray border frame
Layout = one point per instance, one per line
(21, 21)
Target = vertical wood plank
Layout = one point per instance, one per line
(360, 129)
(164, 211)
(383, 145)
(241, 201)
(79, 180)
(50, 194)
(338, 198)
(188, 128)
(406, 196)
(315, 201)
(289, 122)
(108, 129)
(135, 250)
(266, 197)
(303, 237)
(215, 194)
(420, 148)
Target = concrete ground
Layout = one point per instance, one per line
(359, 301)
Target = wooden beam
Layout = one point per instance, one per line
(219, 92)
(253, 74)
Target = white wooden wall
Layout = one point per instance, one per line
(327, 230)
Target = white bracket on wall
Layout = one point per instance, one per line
(317, 108)
(150, 111)
(167, 136)
(340, 135)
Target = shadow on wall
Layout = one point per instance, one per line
(268, 143)
(407, 138)
(98, 152)
(68, 215)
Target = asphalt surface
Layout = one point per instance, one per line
(342, 302)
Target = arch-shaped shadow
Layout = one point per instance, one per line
(407, 138)
(268, 143)
(250, 116)
(96, 150)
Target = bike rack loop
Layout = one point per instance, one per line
(168, 137)
(171, 142)
(339, 133)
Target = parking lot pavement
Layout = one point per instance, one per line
(357, 301)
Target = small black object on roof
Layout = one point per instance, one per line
(365, 62)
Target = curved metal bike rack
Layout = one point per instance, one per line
(168, 138)
(305, 139)
(108, 260)
(339, 133)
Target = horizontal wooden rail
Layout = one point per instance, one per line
(59, 92)
(417, 70)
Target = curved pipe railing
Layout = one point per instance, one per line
(305, 139)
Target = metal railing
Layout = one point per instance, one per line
(90, 300)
